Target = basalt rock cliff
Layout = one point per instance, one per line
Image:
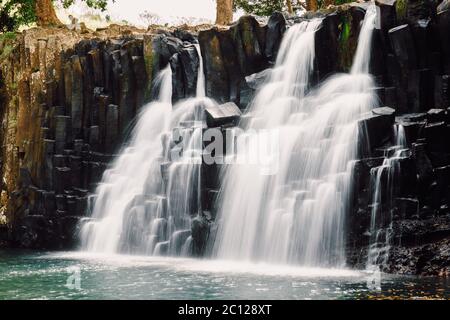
(68, 101)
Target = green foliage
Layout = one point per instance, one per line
(260, 7)
(339, 2)
(400, 6)
(95, 4)
(17, 13)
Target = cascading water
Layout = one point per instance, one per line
(145, 202)
(296, 214)
(383, 180)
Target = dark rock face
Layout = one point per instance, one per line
(419, 226)
(184, 66)
(376, 129)
(230, 55)
(275, 30)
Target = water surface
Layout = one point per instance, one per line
(40, 275)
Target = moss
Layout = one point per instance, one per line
(7, 40)
(8, 36)
(7, 49)
(400, 7)
(149, 61)
(344, 44)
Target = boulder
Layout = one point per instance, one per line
(217, 115)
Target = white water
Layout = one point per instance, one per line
(382, 184)
(145, 202)
(296, 214)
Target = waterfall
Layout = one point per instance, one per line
(296, 213)
(382, 184)
(145, 201)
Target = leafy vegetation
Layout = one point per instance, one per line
(260, 7)
(17, 13)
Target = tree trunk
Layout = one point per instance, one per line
(327, 3)
(45, 14)
(224, 12)
(311, 5)
(289, 6)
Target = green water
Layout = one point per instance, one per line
(34, 275)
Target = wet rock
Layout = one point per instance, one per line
(436, 137)
(417, 10)
(62, 178)
(436, 115)
(386, 13)
(403, 46)
(443, 26)
(442, 91)
(256, 80)
(62, 132)
(184, 66)
(384, 111)
(200, 233)
(249, 41)
(164, 47)
(421, 90)
(376, 129)
(443, 6)
(413, 130)
(326, 46)
(112, 127)
(276, 26)
(77, 95)
(216, 73)
(184, 35)
(227, 113)
(127, 102)
(424, 168)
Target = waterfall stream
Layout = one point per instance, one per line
(383, 180)
(296, 214)
(145, 201)
(293, 213)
